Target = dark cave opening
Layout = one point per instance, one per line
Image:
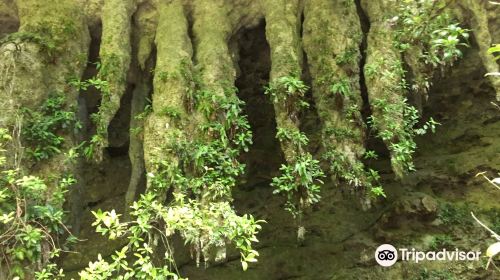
(310, 123)
(119, 128)
(265, 156)
(372, 142)
(90, 100)
(101, 184)
(9, 24)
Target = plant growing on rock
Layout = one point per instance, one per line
(429, 32)
(288, 89)
(424, 37)
(495, 51)
(200, 211)
(341, 87)
(398, 132)
(300, 179)
(347, 57)
(153, 221)
(32, 218)
(192, 142)
(41, 127)
(300, 183)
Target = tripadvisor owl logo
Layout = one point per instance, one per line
(387, 255)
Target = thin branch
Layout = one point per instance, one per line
(490, 261)
(488, 179)
(494, 234)
(496, 105)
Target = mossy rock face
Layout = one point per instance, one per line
(9, 21)
(412, 208)
(50, 47)
(158, 55)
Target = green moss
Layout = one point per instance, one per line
(50, 42)
(426, 274)
(173, 51)
(348, 56)
(282, 34)
(46, 44)
(170, 112)
(333, 57)
(115, 60)
(455, 215)
(42, 129)
(440, 242)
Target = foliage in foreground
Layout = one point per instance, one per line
(188, 219)
(31, 208)
(200, 211)
(300, 178)
(430, 38)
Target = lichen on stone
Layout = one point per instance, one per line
(174, 52)
(332, 41)
(114, 64)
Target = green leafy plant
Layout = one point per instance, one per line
(90, 149)
(400, 132)
(288, 89)
(185, 217)
(341, 133)
(50, 272)
(348, 56)
(96, 83)
(200, 211)
(170, 112)
(300, 183)
(431, 38)
(42, 127)
(342, 87)
(426, 274)
(108, 70)
(294, 136)
(439, 242)
(354, 173)
(300, 178)
(377, 191)
(371, 70)
(444, 45)
(370, 155)
(163, 76)
(495, 51)
(427, 30)
(31, 219)
(426, 24)
(451, 214)
(148, 109)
